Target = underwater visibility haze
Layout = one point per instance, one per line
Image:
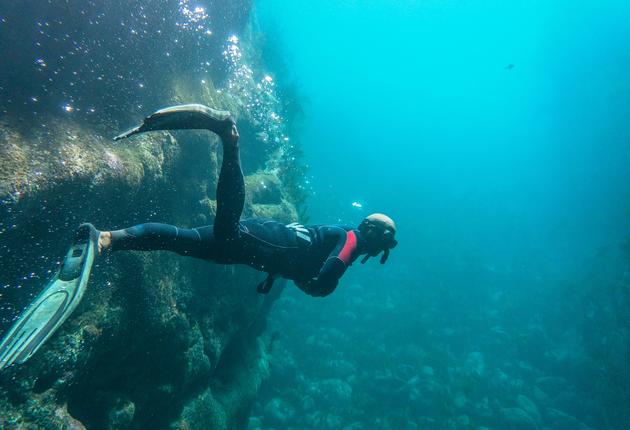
(496, 135)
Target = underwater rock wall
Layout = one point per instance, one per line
(146, 346)
(159, 340)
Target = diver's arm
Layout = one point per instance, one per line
(335, 265)
(326, 281)
(309, 287)
(328, 277)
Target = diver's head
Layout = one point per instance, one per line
(378, 230)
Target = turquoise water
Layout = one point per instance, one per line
(496, 135)
(410, 110)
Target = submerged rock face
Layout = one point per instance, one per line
(159, 340)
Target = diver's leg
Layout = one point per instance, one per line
(196, 242)
(230, 190)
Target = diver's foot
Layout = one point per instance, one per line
(104, 241)
(87, 230)
(230, 135)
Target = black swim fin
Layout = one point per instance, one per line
(184, 117)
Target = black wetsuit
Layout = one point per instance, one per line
(315, 256)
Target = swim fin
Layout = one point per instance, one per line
(184, 117)
(55, 303)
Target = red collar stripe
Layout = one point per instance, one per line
(348, 248)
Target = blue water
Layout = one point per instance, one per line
(410, 110)
(496, 135)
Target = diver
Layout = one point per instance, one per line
(313, 256)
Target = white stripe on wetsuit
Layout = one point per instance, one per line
(300, 231)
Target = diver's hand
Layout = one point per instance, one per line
(316, 288)
(304, 284)
(307, 286)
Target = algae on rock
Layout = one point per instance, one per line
(159, 340)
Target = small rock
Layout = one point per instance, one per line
(354, 426)
(561, 421)
(331, 390)
(540, 396)
(569, 402)
(254, 423)
(69, 422)
(463, 421)
(264, 188)
(332, 422)
(278, 412)
(552, 386)
(121, 415)
(410, 426)
(528, 406)
(91, 333)
(460, 400)
(517, 419)
(483, 409)
(475, 364)
(308, 403)
(427, 371)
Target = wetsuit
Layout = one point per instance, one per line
(315, 256)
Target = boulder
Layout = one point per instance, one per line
(551, 385)
(278, 412)
(559, 420)
(528, 406)
(517, 419)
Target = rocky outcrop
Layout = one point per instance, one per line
(159, 341)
